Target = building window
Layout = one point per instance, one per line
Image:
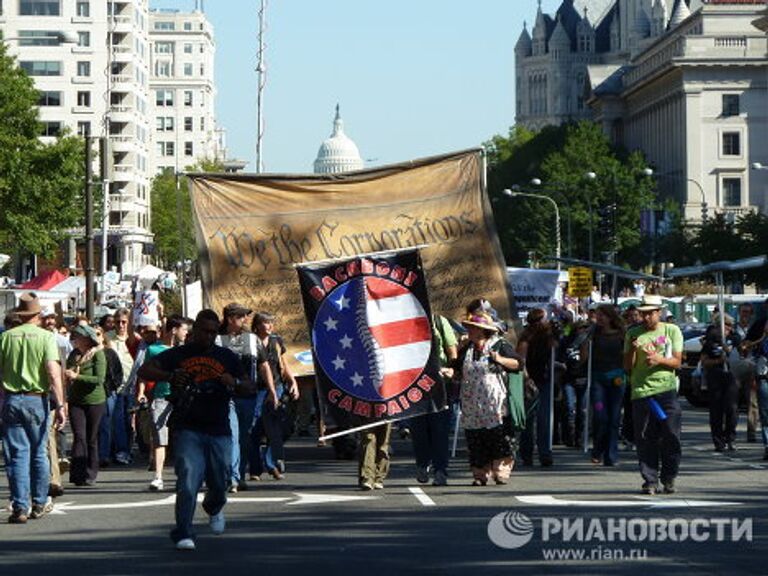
(187, 48)
(164, 48)
(167, 26)
(202, 123)
(187, 123)
(202, 69)
(163, 69)
(83, 8)
(39, 8)
(41, 67)
(731, 105)
(38, 38)
(165, 148)
(731, 191)
(187, 69)
(51, 128)
(115, 218)
(187, 26)
(84, 69)
(165, 123)
(83, 129)
(164, 98)
(731, 144)
(188, 149)
(84, 39)
(187, 97)
(84, 99)
(49, 98)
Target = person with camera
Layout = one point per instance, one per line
(721, 383)
(203, 377)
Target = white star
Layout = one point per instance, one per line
(346, 342)
(342, 302)
(339, 363)
(330, 324)
(357, 380)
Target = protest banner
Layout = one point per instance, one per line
(532, 288)
(252, 229)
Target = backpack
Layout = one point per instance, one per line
(114, 377)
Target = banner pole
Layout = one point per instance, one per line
(587, 398)
(456, 431)
(551, 407)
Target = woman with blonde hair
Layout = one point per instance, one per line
(85, 375)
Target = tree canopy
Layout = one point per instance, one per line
(41, 184)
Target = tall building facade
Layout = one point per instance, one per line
(98, 87)
(695, 101)
(182, 90)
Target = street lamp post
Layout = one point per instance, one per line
(514, 193)
(564, 196)
(704, 205)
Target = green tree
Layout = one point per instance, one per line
(172, 223)
(561, 157)
(41, 184)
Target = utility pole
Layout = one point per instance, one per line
(262, 79)
(89, 279)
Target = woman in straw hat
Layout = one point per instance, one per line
(485, 411)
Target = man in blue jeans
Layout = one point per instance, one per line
(203, 377)
(29, 362)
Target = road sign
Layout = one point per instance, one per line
(579, 281)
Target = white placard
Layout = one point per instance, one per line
(145, 308)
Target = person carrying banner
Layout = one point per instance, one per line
(203, 377)
(429, 432)
(485, 411)
(652, 352)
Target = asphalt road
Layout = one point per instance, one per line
(316, 521)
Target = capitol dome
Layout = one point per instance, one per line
(338, 153)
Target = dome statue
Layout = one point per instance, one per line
(338, 153)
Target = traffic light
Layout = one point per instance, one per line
(606, 227)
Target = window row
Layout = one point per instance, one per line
(170, 48)
(170, 26)
(166, 123)
(169, 148)
(164, 69)
(166, 98)
(52, 8)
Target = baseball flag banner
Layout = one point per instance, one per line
(369, 324)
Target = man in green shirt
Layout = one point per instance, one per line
(652, 352)
(29, 362)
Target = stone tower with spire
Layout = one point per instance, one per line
(551, 60)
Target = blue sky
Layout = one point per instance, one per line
(414, 78)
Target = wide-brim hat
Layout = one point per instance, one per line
(650, 302)
(29, 305)
(86, 332)
(480, 320)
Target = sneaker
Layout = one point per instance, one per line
(123, 458)
(649, 489)
(276, 474)
(232, 489)
(669, 487)
(40, 510)
(254, 477)
(731, 447)
(378, 485)
(280, 464)
(441, 479)
(156, 485)
(185, 544)
(405, 433)
(366, 486)
(218, 523)
(422, 474)
(55, 490)
(242, 486)
(18, 516)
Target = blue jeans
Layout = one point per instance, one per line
(121, 437)
(537, 425)
(234, 427)
(575, 401)
(105, 429)
(199, 457)
(429, 433)
(25, 434)
(246, 417)
(762, 403)
(607, 401)
(268, 423)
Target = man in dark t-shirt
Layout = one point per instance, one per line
(203, 377)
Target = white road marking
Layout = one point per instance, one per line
(757, 466)
(546, 500)
(422, 497)
(298, 499)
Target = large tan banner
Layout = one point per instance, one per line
(253, 229)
